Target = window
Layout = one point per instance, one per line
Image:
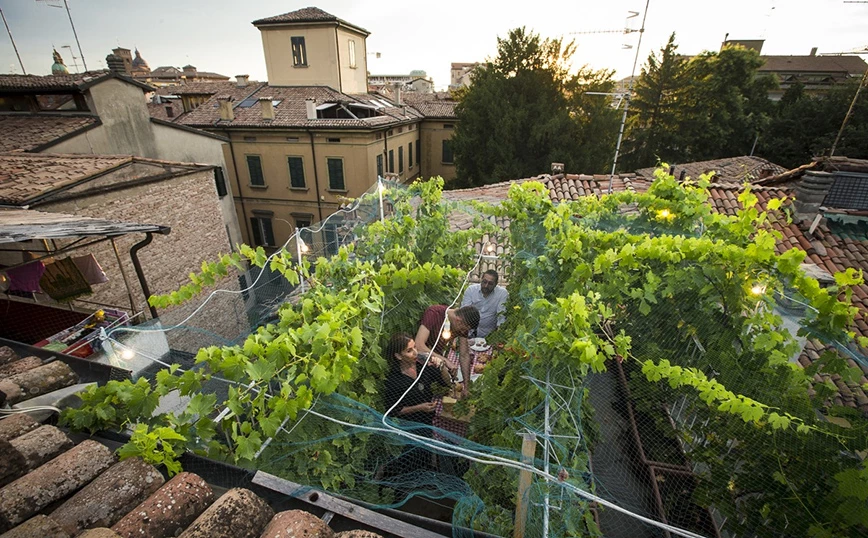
(333, 140)
(419, 152)
(392, 161)
(448, 126)
(292, 139)
(299, 52)
(401, 159)
(336, 174)
(447, 152)
(410, 155)
(296, 172)
(250, 139)
(263, 233)
(220, 182)
(353, 53)
(379, 166)
(254, 166)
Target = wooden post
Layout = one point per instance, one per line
(528, 452)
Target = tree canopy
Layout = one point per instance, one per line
(527, 109)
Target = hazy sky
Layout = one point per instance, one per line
(216, 35)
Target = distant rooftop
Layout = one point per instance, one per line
(307, 15)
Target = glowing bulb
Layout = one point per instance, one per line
(447, 330)
(756, 289)
(303, 246)
(664, 214)
(127, 354)
(489, 248)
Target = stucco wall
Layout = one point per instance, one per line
(322, 60)
(432, 136)
(353, 80)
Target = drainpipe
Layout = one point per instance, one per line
(238, 182)
(315, 175)
(134, 256)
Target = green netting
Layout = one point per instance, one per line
(647, 379)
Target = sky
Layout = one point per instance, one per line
(216, 35)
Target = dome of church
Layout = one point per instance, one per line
(418, 73)
(139, 62)
(58, 68)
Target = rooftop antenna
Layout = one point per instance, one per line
(628, 96)
(72, 56)
(53, 3)
(8, 31)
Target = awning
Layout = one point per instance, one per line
(27, 224)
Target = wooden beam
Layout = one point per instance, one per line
(528, 452)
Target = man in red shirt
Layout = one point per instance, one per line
(461, 320)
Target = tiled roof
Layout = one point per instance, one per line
(308, 14)
(733, 169)
(160, 110)
(79, 81)
(170, 72)
(823, 164)
(26, 177)
(211, 87)
(27, 224)
(57, 485)
(291, 111)
(31, 131)
(814, 64)
(431, 105)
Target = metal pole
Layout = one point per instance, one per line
(849, 113)
(629, 97)
(298, 241)
(8, 31)
(546, 456)
(380, 195)
(80, 53)
(126, 278)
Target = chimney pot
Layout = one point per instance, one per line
(226, 112)
(810, 193)
(557, 168)
(242, 80)
(397, 89)
(814, 51)
(267, 106)
(310, 106)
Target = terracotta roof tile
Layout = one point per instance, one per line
(733, 169)
(78, 81)
(304, 15)
(27, 132)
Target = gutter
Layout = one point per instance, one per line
(315, 174)
(137, 265)
(238, 182)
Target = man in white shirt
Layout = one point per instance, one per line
(490, 300)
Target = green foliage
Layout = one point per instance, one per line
(526, 110)
(711, 106)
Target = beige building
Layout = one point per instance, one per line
(301, 144)
(103, 113)
(122, 61)
(461, 74)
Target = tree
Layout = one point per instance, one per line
(526, 110)
(712, 106)
(653, 128)
(804, 126)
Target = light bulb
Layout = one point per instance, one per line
(127, 354)
(447, 330)
(757, 289)
(664, 214)
(490, 248)
(304, 248)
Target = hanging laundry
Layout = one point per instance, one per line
(91, 269)
(63, 282)
(25, 278)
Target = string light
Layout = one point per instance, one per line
(303, 246)
(664, 214)
(447, 330)
(490, 248)
(127, 354)
(757, 289)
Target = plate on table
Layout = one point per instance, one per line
(479, 344)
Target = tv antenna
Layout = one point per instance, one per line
(72, 57)
(56, 3)
(8, 31)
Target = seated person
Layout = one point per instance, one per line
(404, 365)
(490, 300)
(461, 322)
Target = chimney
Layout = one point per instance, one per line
(810, 193)
(557, 168)
(226, 112)
(267, 108)
(396, 87)
(814, 51)
(115, 64)
(310, 106)
(242, 80)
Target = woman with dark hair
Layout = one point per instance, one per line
(418, 404)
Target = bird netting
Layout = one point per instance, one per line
(660, 369)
